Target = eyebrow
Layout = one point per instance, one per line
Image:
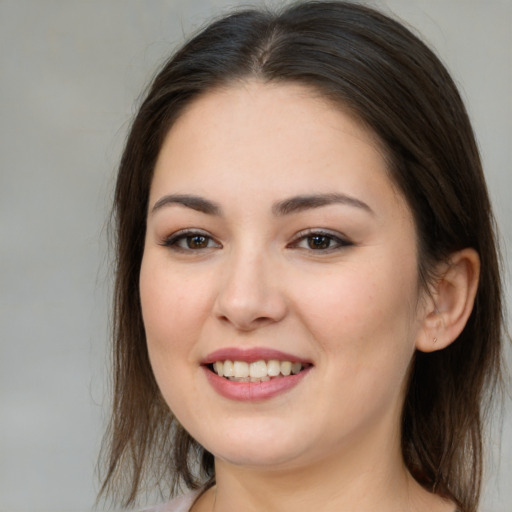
(306, 202)
(286, 207)
(197, 203)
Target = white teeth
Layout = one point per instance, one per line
(228, 369)
(273, 368)
(219, 368)
(257, 371)
(286, 368)
(262, 379)
(296, 368)
(241, 369)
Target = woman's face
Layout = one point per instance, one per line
(275, 236)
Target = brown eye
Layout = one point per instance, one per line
(197, 242)
(319, 241)
(187, 240)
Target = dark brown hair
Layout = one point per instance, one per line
(372, 65)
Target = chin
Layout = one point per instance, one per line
(256, 457)
(256, 445)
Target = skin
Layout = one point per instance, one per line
(354, 310)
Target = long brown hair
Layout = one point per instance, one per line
(372, 65)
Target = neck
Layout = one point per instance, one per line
(300, 490)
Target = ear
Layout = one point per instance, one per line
(450, 301)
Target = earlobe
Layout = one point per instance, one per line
(450, 301)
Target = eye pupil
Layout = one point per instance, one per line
(197, 242)
(319, 242)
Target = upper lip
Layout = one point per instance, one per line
(250, 355)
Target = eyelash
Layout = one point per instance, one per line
(322, 237)
(185, 236)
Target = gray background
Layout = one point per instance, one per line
(70, 73)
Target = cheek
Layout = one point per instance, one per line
(172, 308)
(364, 312)
(362, 322)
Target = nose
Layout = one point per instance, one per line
(250, 293)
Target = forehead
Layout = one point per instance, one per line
(250, 135)
(276, 105)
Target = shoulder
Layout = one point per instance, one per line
(179, 504)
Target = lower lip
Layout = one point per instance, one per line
(253, 391)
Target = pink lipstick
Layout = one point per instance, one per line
(253, 374)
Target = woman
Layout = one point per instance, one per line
(308, 304)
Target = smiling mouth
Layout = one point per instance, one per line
(257, 371)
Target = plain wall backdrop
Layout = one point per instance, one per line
(71, 72)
